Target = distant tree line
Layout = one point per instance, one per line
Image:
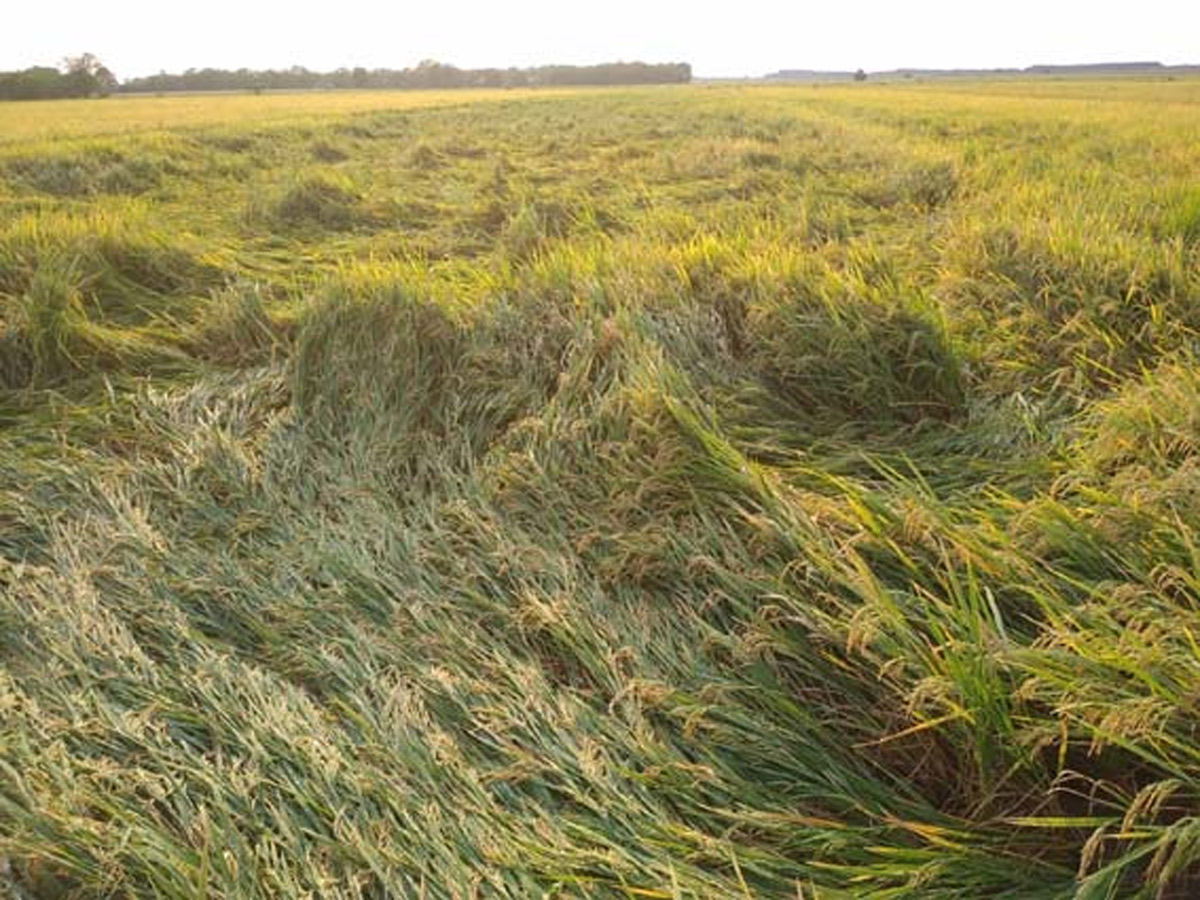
(428, 74)
(79, 76)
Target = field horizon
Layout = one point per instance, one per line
(674, 491)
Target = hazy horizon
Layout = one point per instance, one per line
(754, 38)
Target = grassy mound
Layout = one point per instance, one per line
(96, 170)
(319, 202)
(83, 294)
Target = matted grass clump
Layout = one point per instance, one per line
(642, 493)
(96, 173)
(318, 202)
(80, 294)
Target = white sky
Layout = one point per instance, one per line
(742, 37)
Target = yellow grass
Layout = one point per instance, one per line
(118, 115)
(774, 490)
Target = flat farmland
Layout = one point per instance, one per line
(693, 491)
(64, 119)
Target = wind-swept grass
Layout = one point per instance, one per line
(666, 493)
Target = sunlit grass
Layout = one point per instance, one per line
(49, 120)
(702, 492)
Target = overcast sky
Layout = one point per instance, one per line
(719, 37)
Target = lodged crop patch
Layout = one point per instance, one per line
(689, 492)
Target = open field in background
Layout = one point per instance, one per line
(690, 492)
(59, 119)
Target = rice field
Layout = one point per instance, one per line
(130, 114)
(689, 492)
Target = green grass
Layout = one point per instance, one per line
(688, 492)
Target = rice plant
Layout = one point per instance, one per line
(723, 492)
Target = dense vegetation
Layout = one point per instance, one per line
(86, 76)
(82, 76)
(783, 492)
